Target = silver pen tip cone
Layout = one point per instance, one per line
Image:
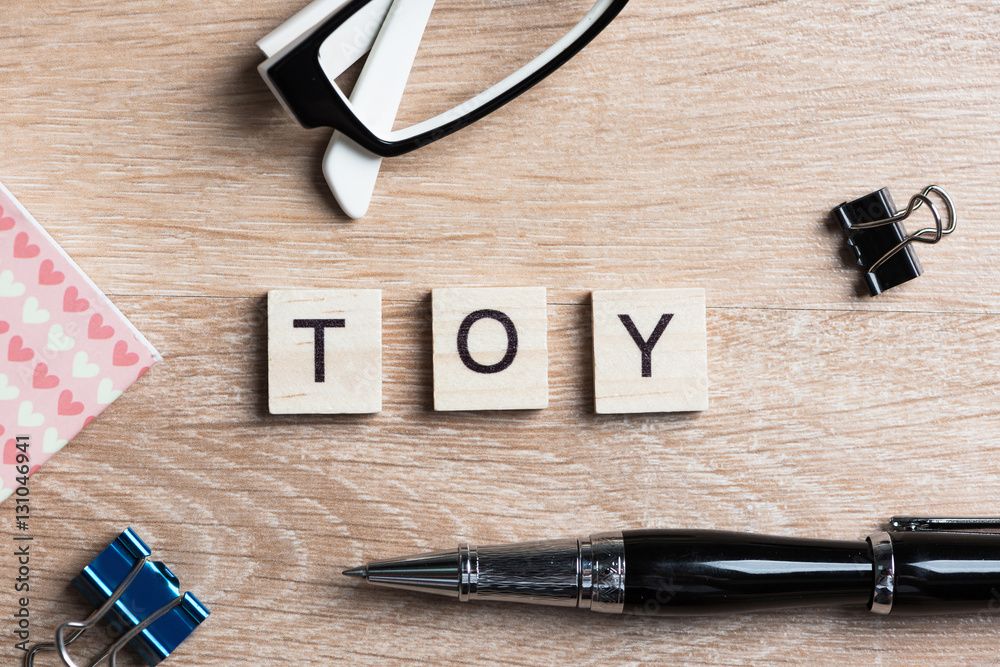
(361, 572)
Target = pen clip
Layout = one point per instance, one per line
(899, 524)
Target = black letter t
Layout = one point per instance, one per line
(319, 341)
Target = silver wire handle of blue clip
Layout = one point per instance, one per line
(927, 235)
(110, 653)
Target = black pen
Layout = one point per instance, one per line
(915, 566)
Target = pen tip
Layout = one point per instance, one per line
(361, 572)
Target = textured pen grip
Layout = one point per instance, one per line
(536, 572)
(588, 572)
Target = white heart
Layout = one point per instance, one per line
(58, 340)
(81, 369)
(32, 314)
(7, 393)
(7, 285)
(27, 417)
(106, 392)
(51, 442)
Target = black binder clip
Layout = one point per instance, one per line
(141, 600)
(876, 234)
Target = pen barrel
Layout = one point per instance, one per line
(691, 572)
(937, 572)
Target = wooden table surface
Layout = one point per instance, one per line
(693, 144)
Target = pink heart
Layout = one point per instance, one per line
(95, 330)
(123, 357)
(10, 453)
(22, 249)
(71, 304)
(17, 352)
(142, 372)
(4, 327)
(87, 421)
(47, 276)
(5, 223)
(42, 380)
(67, 407)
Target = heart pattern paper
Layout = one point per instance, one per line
(66, 352)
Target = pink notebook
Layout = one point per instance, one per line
(66, 352)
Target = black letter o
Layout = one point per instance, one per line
(463, 342)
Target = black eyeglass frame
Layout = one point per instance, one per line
(296, 77)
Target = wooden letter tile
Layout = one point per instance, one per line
(490, 349)
(650, 351)
(324, 351)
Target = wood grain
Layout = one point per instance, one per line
(693, 144)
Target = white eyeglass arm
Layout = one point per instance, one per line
(350, 170)
(294, 28)
(353, 39)
(343, 48)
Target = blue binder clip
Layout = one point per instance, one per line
(880, 243)
(141, 600)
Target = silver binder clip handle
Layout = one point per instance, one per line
(112, 651)
(926, 235)
(79, 627)
(82, 626)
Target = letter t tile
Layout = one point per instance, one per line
(650, 351)
(324, 351)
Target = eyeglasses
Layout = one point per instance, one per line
(308, 54)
